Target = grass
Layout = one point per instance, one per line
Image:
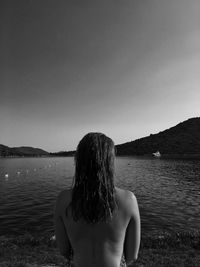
(165, 249)
(178, 249)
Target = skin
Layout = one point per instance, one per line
(101, 244)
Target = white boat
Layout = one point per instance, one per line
(156, 154)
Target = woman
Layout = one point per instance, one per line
(95, 220)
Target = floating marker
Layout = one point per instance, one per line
(6, 175)
(18, 173)
(53, 238)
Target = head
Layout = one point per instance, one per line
(93, 192)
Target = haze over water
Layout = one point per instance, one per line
(168, 192)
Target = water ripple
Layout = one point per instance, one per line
(168, 192)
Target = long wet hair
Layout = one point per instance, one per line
(93, 192)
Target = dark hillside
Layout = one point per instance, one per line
(6, 151)
(183, 138)
(63, 154)
(26, 151)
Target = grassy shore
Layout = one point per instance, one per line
(165, 249)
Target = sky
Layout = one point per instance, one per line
(127, 68)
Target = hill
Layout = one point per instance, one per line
(63, 154)
(23, 151)
(181, 139)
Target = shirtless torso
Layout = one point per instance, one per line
(101, 244)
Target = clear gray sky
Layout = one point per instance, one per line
(126, 68)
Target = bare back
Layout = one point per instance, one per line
(100, 244)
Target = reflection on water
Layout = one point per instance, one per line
(168, 192)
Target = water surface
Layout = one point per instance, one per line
(168, 192)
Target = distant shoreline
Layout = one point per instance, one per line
(164, 156)
(147, 156)
(11, 157)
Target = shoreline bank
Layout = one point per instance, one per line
(165, 249)
(148, 156)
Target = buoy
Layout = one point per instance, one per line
(6, 175)
(18, 173)
(53, 238)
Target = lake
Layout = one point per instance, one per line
(168, 192)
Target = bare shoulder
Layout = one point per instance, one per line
(126, 194)
(65, 194)
(128, 200)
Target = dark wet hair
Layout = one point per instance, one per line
(93, 193)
